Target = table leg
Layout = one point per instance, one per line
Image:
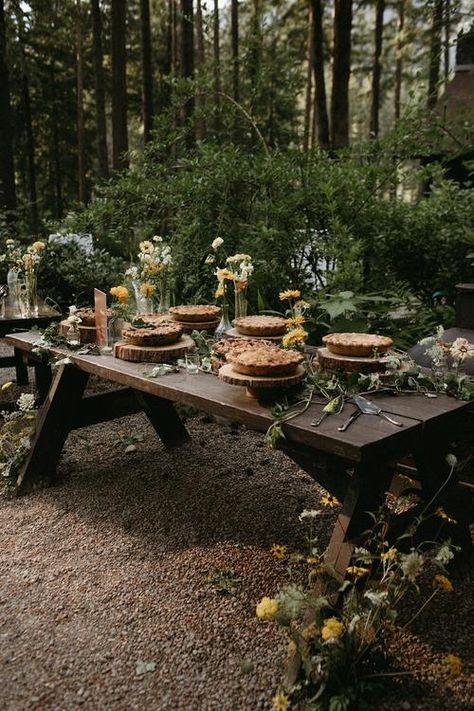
(55, 420)
(20, 368)
(43, 380)
(164, 418)
(365, 492)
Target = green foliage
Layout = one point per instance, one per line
(69, 276)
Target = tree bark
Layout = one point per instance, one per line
(147, 71)
(341, 73)
(201, 58)
(309, 82)
(376, 69)
(234, 29)
(447, 39)
(399, 60)
(56, 155)
(435, 54)
(101, 126)
(81, 163)
(119, 86)
(30, 151)
(7, 170)
(321, 120)
(217, 70)
(187, 55)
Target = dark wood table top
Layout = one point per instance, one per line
(370, 437)
(11, 322)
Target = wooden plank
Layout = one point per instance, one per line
(21, 370)
(104, 407)
(164, 418)
(43, 380)
(329, 472)
(55, 420)
(419, 407)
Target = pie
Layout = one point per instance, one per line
(270, 362)
(228, 348)
(195, 313)
(357, 344)
(153, 334)
(260, 325)
(87, 316)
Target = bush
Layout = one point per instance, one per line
(68, 275)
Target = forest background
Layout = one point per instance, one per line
(307, 133)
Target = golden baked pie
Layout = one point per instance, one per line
(195, 313)
(260, 325)
(357, 344)
(87, 316)
(153, 334)
(271, 362)
(230, 347)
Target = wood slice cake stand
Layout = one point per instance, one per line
(154, 354)
(234, 333)
(189, 326)
(87, 334)
(358, 364)
(255, 385)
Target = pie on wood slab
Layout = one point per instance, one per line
(195, 313)
(153, 334)
(260, 325)
(87, 316)
(271, 362)
(357, 344)
(228, 348)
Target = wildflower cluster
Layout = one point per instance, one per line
(296, 335)
(16, 429)
(20, 260)
(238, 270)
(443, 353)
(154, 265)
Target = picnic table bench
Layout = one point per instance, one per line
(356, 466)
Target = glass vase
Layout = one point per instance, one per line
(12, 305)
(240, 296)
(164, 294)
(224, 324)
(27, 295)
(144, 304)
(115, 327)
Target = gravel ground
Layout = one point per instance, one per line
(112, 568)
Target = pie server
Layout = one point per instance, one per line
(370, 408)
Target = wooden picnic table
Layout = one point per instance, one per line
(12, 321)
(356, 466)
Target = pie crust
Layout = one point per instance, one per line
(154, 334)
(228, 348)
(357, 344)
(271, 362)
(260, 325)
(198, 313)
(87, 316)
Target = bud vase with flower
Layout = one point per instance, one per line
(150, 277)
(120, 314)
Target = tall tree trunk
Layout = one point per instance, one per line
(56, 154)
(30, 151)
(321, 120)
(187, 58)
(447, 39)
(376, 69)
(217, 70)
(399, 59)
(435, 53)
(7, 171)
(341, 73)
(101, 126)
(234, 29)
(309, 82)
(201, 58)
(147, 72)
(119, 86)
(81, 162)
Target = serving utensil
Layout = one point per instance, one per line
(350, 420)
(368, 407)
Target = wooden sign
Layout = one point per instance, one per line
(100, 305)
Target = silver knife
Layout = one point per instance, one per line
(370, 408)
(350, 420)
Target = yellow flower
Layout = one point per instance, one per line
(219, 293)
(310, 632)
(330, 501)
(301, 305)
(454, 663)
(295, 321)
(38, 246)
(442, 514)
(297, 335)
(388, 555)
(279, 551)
(443, 582)
(5, 386)
(267, 608)
(290, 294)
(333, 629)
(147, 289)
(120, 293)
(280, 701)
(146, 246)
(358, 572)
(224, 274)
